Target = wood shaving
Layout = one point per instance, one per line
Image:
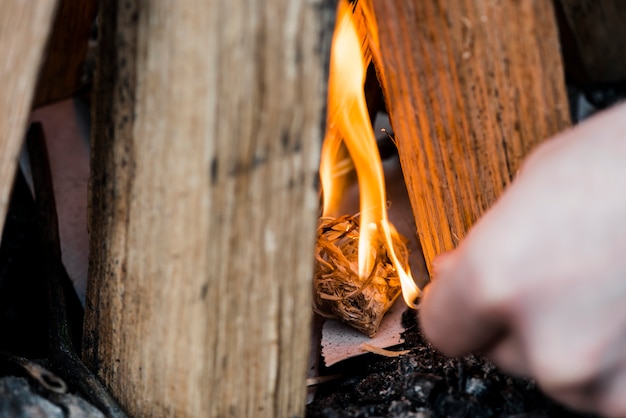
(383, 352)
(318, 380)
(339, 291)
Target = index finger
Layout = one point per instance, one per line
(451, 317)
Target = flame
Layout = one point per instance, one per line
(348, 122)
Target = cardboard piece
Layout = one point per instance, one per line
(340, 342)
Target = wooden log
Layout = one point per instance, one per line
(208, 122)
(598, 29)
(61, 72)
(24, 29)
(471, 87)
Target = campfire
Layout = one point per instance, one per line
(463, 123)
(362, 261)
(203, 205)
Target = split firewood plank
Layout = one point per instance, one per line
(599, 31)
(208, 122)
(61, 72)
(471, 87)
(24, 30)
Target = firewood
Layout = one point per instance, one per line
(24, 29)
(61, 71)
(65, 311)
(471, 88)
(208, 122)
(598, 32)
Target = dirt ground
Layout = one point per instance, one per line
(424, 384)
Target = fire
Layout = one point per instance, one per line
(349, 123)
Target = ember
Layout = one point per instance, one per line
(355, 283)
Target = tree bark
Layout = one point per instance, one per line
(24, 29)
(471, 87)
(208, 121)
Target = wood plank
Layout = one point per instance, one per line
(24, 30)
(471, 86)
(208, 122)
(60, 75)
(599, 31)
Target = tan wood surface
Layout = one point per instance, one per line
(24, 29)
(471, 86)
(208, 121)
(61, 72)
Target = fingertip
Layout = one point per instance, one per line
(449, 317)
(437, 318)
(432, 320)
(431, 316)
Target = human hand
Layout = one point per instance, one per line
(539, 283)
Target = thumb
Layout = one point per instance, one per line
(451, 314)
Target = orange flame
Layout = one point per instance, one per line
(348, 121)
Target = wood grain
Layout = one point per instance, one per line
(24, 29)
(471, 86)
(208, 121)
(61, 72)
